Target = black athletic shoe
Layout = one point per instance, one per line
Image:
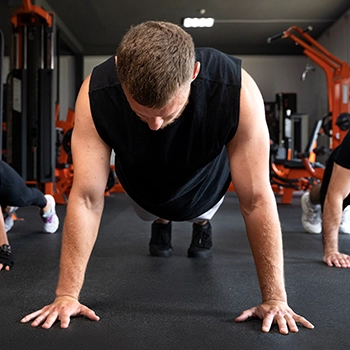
(201, 241)
(160, 243)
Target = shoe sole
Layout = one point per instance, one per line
(308, 230)
(161, 253)
(199, 254)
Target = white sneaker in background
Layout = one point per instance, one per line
(311, 218)
(345, 221)
(50, 218)
(8, 219)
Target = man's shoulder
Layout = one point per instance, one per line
(210, 53)
(217, 65)
(104, 74)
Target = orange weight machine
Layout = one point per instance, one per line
(337, 77)
(64, 164)
(298, 174)
(303, 173)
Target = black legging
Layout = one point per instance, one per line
(14, 191)
(326, 178)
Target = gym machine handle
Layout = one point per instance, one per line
(275, 37)
(282, 34)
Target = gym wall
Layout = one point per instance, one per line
(273, 74)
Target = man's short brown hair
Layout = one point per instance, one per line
(154, 60)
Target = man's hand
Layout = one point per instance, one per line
(272, 312)
(6, 258)
(337, 259)
(4, 267)
(63, 308)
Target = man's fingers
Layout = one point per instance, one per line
(303, 321)
(65, 321)
(85, 311)
(291, 323)
(46, 318)
(61, 310)
(337, 260)
(282, 323)
(345, 262)
(276, 313)
(338, 263)
(267, 322)
(244, 315)
(4, 267)
(31, 316)
(49, 318)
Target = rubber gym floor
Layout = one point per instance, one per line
(176, 303)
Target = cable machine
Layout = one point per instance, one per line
(337, 77)
(31, 105)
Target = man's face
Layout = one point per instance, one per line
(160, 118)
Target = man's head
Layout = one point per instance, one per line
(155, 61)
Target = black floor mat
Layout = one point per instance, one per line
(176, 303)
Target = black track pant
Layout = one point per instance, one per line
(14, 191)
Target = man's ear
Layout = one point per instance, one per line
(197, 68)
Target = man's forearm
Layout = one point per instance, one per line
(332, 213)
(3, 235)
(79, 236)
(265, 239)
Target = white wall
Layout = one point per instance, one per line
(91, 61)
(337, 41)
(276, 74)
(66, 93)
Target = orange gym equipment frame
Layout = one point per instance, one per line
(302, 174)
(337, 76)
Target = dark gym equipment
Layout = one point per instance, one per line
(31, 112)
(343, 121)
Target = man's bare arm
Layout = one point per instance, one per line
(91, 158)
(338, 190)
(249, 162)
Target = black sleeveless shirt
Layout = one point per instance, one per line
(342, 157)
(181, 171)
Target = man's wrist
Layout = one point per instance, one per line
(330, 251)
(66, 295)
(6, 249)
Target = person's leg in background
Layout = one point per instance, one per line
(312, 203)
(15, 193)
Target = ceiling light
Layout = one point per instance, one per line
(198, 22)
